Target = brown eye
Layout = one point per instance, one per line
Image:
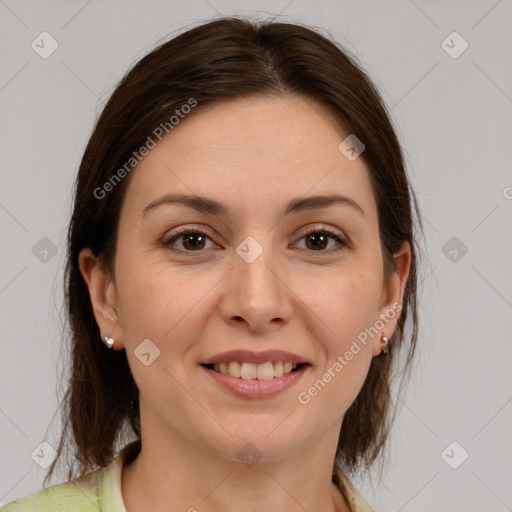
(317, 240)
(192, 240)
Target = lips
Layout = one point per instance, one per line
(259, 385)
(256, 374)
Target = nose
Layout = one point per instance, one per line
(256, 295)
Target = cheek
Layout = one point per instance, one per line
(162, 303)
(338, 313)
(151, 306)
(341, 304)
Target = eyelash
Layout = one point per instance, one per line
(343, 243)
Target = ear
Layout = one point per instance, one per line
(103, 297)
(392, 296)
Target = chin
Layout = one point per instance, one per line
(260, 440)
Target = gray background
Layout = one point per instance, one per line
(455, 122)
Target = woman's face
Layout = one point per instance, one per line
(251, 280)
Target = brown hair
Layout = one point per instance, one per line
(218, 61)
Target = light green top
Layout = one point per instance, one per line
(100, 490)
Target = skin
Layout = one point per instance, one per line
(253, 155)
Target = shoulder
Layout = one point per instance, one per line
(98, 490)
(79, 495)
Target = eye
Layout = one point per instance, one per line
(193, 240)
(317, 240)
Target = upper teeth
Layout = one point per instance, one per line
(250, 371)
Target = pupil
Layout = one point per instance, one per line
(311, 238)
(187, 241)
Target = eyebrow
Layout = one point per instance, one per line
(296, 205)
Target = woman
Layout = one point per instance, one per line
(241, 264)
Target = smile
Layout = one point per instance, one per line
(256, 381)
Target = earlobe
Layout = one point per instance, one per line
(380, 345)
(392, 295)
(102, 294)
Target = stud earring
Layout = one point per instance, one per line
(385, 350)
(108, 341)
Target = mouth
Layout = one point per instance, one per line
(268, 370)
(256, 381)
(255, 375)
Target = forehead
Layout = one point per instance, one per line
(252, 154)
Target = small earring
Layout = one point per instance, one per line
(109, 342)
(385, 345)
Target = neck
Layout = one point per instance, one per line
(194, 480)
